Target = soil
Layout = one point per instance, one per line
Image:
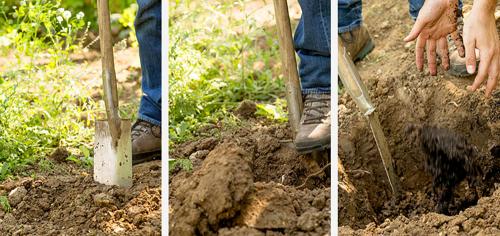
(403, 96)
(71, 203)
(245, 182)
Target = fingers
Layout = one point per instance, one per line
(443, 53)
(492, 77)
(482, 73)
(459, 43)
(415, 30)
(470, 56)
(431, 56)
(419, 53)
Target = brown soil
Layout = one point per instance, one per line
(247, 185)
(403, 96)
(71, 203)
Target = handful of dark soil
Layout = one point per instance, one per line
(449, 158)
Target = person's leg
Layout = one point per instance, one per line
(312, 43)
(146, 132)
(148, 30)
(350, 16)
(351, 31)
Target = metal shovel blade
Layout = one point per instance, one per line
(112, 160)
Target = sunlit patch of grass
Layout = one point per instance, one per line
(42, 104)
(216, 61)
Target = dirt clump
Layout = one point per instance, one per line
(59, 155)
(482, 219)
(213, 193)
(246, 109)
(71, 203)
(247, 185)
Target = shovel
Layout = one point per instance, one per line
(355, 87)
(112, 145)
(287, 52)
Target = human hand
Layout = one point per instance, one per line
(480, 32)
(436, 19)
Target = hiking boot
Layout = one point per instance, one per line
(314, 130)
(457, 64)
(358, 43)
(146, 142)
(458, 67)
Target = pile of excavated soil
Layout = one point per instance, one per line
(71, 203)
(246, 183)
(403, 95)
(482, 219)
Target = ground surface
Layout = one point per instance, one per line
(403, 95)
(247, 182)
(65, 200)
(71, 203)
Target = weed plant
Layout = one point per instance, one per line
(42, 104)
(215, 62)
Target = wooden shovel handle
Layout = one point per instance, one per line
(108, 69)
(292, 83)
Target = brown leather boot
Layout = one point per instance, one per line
(146, 142)
(457, 64)
(314, 130)
(358, 43)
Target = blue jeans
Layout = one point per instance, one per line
(312, 44)
(350, 13)
(148, 31)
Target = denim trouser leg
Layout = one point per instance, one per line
(312, 43)
(148, 31)
(349, 15)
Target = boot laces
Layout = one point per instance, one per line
(315, 109)
(139, 128)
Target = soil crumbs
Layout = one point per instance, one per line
(245, 182)
(402, 96)
(71, 203)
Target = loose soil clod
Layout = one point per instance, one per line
(247, 185)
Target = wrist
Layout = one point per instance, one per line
(484, 6)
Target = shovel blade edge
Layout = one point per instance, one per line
(113, 161)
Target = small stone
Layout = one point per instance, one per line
(385, 25)
(103, 200)
(17, 195)
(199, 155)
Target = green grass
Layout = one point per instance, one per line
(4, 203)
(43, 104)
(213, 65)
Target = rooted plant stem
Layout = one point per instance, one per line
(314, 174)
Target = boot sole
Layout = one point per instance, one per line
(461, 70)
(309, 149)
(369, 46)
(146, 157)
